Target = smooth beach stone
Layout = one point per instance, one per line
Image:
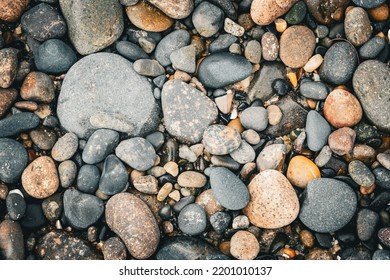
(11, 240)
(184, 59)
(88, 178)
(255, 118)
(301, 171)
(368, 3)
(13, 160)
(38, 87)
(192, 219)
(221, 140)
(114, 177)
(173, 8)
(361, 174)
(207, 19)
(264, 12)
(222, 43)
(130, 50)
(11, 10)
(357, 26)
(323, 11)
(101, 143)
(272, 157)
(67, 171)
(171, 42)
(314, 90)
(8, 66)
(244, 154)
(7, 98)
(366, 223)
(372, 48)
(317, 131)
(18, 123)
(244, 245)
(269, 46)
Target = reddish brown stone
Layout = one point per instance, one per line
(326, 11)
(11, 10)
(38, 87)
(7, 98)
(11, 240)
(342, 140)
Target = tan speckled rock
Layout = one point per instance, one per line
(264, 12)
(357, 26)
(191, 179)
(11, 10)
(176, 9)
(220, 139)
(273, 201)
(301, 171)
(8, 66)
(244, 245)
(209, 203)
(40, 178)
(275, 115)
(7, 98)
(297, 44)
(146, 184)
(362, 152)
(341, 141)
(131, 219)
(319, 254)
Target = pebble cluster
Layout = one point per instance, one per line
(194, 129)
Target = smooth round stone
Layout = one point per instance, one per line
(222, 43)
(368, 4)
(253, 51)
(13, 160)
(130, 50)
(11, 240)
(191, 179)
(65, 147)
(11, 10)
(301, 171)
(314, 90)
(221, 140)
(324, 156)
(340, 62)
(133, 221)
(207, 200)
(382, 176)
(222, 69)
(384, 160)
(40, 178)
(148, 67)
(171, 42)
(244, 245)
(207, 19)
(384, 236)
(264, 12)
(240, 222)
(297, 45)
(227, 6)
(233, 28)
(251, 136)
(361, 174)
(156, 139)
(184, 59)
(173, 8)
(275, 115)
(342, 140)
(100, 77)
(146, 184)
(82, 210)
(52, 25)
(37, 87)
(8, 66)
(18, 123)
(372, 48)
(188, 248)
(364, 153)
(114, 249)
(328, 205)
(52, 207)
(228, 189)
(183, 202)
(269, 190)
(366, 223)
(98, 25)
(54, 56)
(88, 178)
(272, 157)
(380, 13)
(192, 219)
(16, 205)
(147, 17)
(317, 131)
(220, 221)
(269, 46)
(244, 153)
(8, 97)
(357, 26)
(137, 153)
(114, 177)
(342, 109)
(371, 84)
(255, 118)
(296, 14)
(101, 143)
(381, 255)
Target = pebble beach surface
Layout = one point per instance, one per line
(194, 129)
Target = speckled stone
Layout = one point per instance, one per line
(269, 46)
(192, 219)
(207, 200)
(176, 9)
(272, 157)
(361, 174)
(357, 26)
(65, 147)
(8, 66)
(368, 3)
(37, 87)
(221, 140)
(264, 12)
(18, 123)
(366, 223)
(101, 143)
(244, 245)
(11, 10)
(324, 11)
(13, 160)
(146, 184)
(255, 118)
(7, 98)
(191, 179)
(342, 140)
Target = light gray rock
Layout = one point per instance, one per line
(101, 143)
(317, 131)
(173, 41)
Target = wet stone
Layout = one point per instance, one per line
(101, 143)
(88, 178)
(366, 223)
(114, 177)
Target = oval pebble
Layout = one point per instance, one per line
(13, 160)
(255, 118)
(65, 147)
(114, 177)
(101, 143)
(192, 219)
(220, 139)
(244, 245)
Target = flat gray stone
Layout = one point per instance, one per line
(13, 160)
(317, 131)
(101, 143)
(207, 19)
(114, 177)
(171, 42)
(184, 59)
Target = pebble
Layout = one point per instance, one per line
(192, 219)
(368, 3)
(269, 46)
(314, 90)
(253, 51)
(319, 254)
(11, 240)
(342, 140)
(220, 221)
(380, 201)
(328, 205)
(240, 222)
(297, 13)
(244, 245)
(297, 44)
(384, 160)
(251, 136)
(275, 115)
(364, 153)
(224, 102)
(137, 153)
(221, 140)
(325, 12)
(227, 6)
(264, 12)
(164, 191)
(244, 153)
(382, 176)
(171, 42)
(370, 83)
(255, 118)
(372, 48)
(52, 207)
(8, 97)
(184, 59)
(172, 168)
(114, 249)
(175, 108)
(357, 26)
(11, 10)
(96, 27)
(148, 67)
(272, 157)
(222, 43)
(16, 205)
(61, 245)
(40, 178)
(380, 13)
(307, 238)
(100, 76)
(301, 171)
(187, 154)
(381, 255)
(268, 191)
(65, 147)
(188, 248)
(317, 131)
(366, 223)
(361, 174)
(207, 19)
(173, 8)
(88, 178)
(37, 87)
(147, 17)
(233, 28)
(128, 2)
(114, 177)
(384, 236)
(225, 161)
(191, 179)
(13, 160)
(207, 200)
(183, 202)
(44, 138)
(33, 218)
(18, 123)
(130, 50)
(147, 44)
(146, 184)
(52, 25)
(101, 143)
(8, 66)
(314, 62)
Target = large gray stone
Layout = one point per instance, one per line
(94, 91)
(13, 160)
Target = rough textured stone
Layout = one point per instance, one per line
(366, 223)
(65, 147)
(13, 160)
(37, 87)
(8, 66)
(357, 26)
(221, 140)
(101, 143)
(7, 98)
(361, 174)
(11, 10)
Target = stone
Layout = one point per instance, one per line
(222, 69)
(368, 3)
(221, 140)
(100, 77)
(296, 14)
(366, 223)
(130, 50)
(251, 136)
(172, 168)
(40, 178)
(11, 240)
(342, 140)
(253, 51)
(101, 143)
(240, 222)
(184, 59)
(171, 42)
(272, 157)
(173, 8)
(227, 6)
(381, 255)
(44, 138)
(33, 218)
(192, 219)
(147, 17)
(328, 205)
(114, 249)
(148, 67)
(382, 177)
(146, 184)
(222, 43)
(132, 220)
(255, 118)
(233, 28)
(264, 12)
(13, 160)
(220, 221)
(357, 26)
(187, 154)
(191, 179)
(340, 62)
(18, 123)
(362, 152)
(37, 87)
(8, 66)
(244, 153)
(61, 245)
(384, 160)
(11, 10)
(314, 90)
(52, 207)
(297, 44)
(207, 200)
(269, 46)
(301, 171)
(114, 177)
(380, 13)
(65, 147)
(268, 191)
(325, 11)
(244, 245)
(361, 174)
(317, 131)
(207, 19)
(275, 115)
(370, 83)
(372, 48)
(88, 178)
(137, 153)
(7, 98)
(16, 205)
(384, 236)
(98, 26)
(319, 254)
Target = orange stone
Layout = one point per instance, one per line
(236, 124)
(301, 171)
(11, 10)
(380, 13)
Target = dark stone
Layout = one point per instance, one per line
(173, 41)
(372, 48)
(361, 174)
(278, 243)
(296, 14)
(207, 19)
(314, 90)
(382, 177)
(52, 207)
(366, 223)
(317, 131)
(183, 202)
(11, 241)
(380, 201)
(114, 177)
(355, 253)
(281, 87)
(16, 206)
(13, 160)
(368, 4)
(222, 43)
(227, 6)
(18, 123)
(130, 50)
(324, 239)
(192, 219)
(322, 10)
(384, 236)
(220, 221)
(33, 217)
(88, 178)
(381, 255)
